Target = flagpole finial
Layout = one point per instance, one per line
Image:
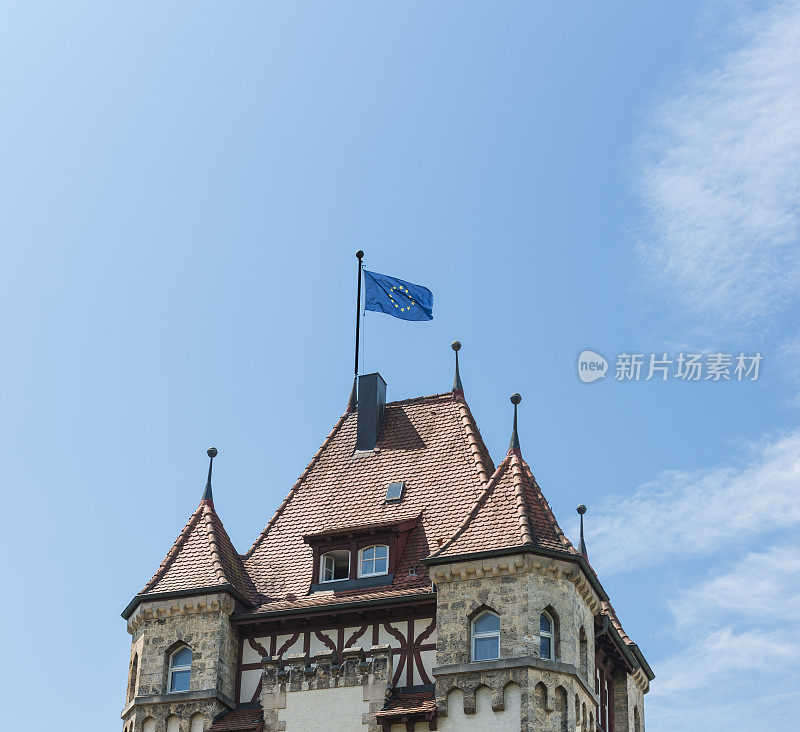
(458, 389)
(582, 510)
(208, 496)
(360, 254)
(514, 444)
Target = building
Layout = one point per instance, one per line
(404, 583)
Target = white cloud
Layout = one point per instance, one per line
(735, 634)
(692, 513)
(720, 177)
(769, 580)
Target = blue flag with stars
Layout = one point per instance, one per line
(393, 296)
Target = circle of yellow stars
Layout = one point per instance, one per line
(400, 288)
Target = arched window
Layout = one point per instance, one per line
(334, 566)
(132, 680)
(373, 560)
(546, 634)
(486, 637)
(180, 669)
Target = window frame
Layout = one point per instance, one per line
(360, 572)
(172, 668)
(330, 553)
(473, 636)
(551, 635)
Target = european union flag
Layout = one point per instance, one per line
(393, 296)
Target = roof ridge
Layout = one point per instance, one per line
(523, 510)
(216, 555)
(470, 428)
(172, 554)
(479, 501)
(546, 508)
(419, 398)
(293, 490)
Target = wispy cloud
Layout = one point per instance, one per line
(735, 633)
(772, 582)
(683, 513)
(720, 177)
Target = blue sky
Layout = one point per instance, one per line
(184, 186)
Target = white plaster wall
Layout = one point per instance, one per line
(296, 647)
(332, 710)
(365, 641)
(428, 659)
(317, 646)
(250, 681)
(250, 654)
(509, 720)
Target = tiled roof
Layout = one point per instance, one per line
(432, 444)
(404, 704)
(239, 720)
(202, 557)
(510, 512)
(608, 610)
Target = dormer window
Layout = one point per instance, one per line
(335, 566)
(373, 561)
(358, 557)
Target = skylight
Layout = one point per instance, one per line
(394, 492)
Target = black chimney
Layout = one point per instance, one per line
(371, 403)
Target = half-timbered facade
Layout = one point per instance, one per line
(404, 583)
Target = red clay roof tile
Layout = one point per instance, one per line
(239, 720)
(413, 703)
(430, 443)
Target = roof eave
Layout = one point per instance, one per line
(338, 606)
(525, 549)
(630, 650)
(154, 596)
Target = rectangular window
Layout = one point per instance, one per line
(180, 681)
(487, 648)
(335, 566)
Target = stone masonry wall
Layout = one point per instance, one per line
(303, 676)
(158, 628)
(518, 588)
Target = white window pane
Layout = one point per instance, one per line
(487, 648)
(381, 552)
(381, 565)
(487, 623)
(545, 624)
(180, 681)
(544, 648)
(182, 658)
(369, 553)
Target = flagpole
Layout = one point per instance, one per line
(360, 255)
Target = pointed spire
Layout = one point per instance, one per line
(458, 390)
(208, 496)
(352, 403)
(582, 510)
(513, 446)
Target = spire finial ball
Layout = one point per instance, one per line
(581, 509)
(360, 254)
(211, 452)
(516, 398)
(456, 346)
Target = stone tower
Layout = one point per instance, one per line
(182, 671)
